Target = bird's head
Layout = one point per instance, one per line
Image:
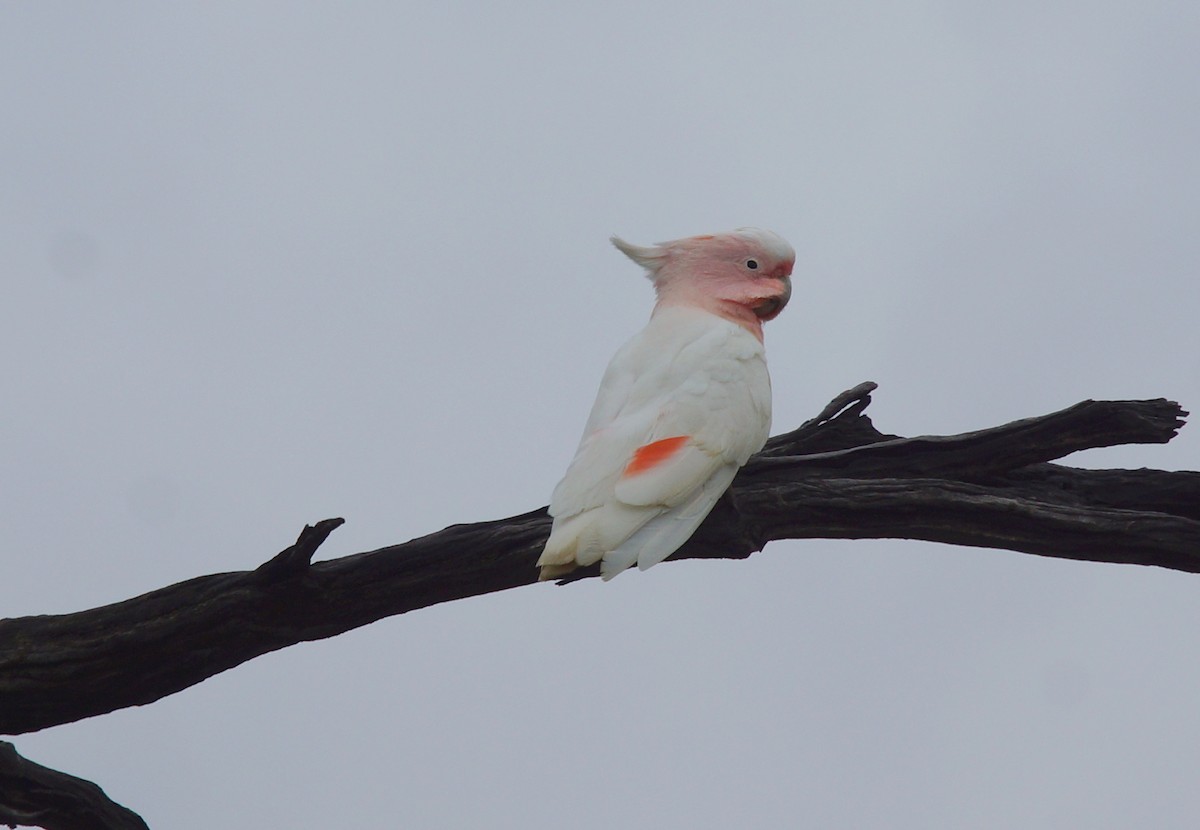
(743, 275)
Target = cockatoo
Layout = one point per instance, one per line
(681, 407)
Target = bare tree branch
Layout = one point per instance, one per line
(34, 796)
(835, 477)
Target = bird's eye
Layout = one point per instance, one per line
(752, 264)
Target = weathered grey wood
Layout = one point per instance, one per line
(835, 477)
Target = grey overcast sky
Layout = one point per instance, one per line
(265, 263)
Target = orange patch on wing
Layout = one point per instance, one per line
(649, 456)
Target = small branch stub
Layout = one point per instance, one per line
(297, 558)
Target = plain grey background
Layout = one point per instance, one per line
(265, 263)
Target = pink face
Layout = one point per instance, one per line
(744, 276)
(752, 272)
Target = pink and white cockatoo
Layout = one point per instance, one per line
(682, 406)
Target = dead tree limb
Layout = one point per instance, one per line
(835, 477)
(35, 796)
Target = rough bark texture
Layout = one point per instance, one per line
(835, 477)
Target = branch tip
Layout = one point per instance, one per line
(36, 796)
(855, 398)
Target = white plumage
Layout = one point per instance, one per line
(681, 407)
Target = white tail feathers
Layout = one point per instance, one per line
(649, 257)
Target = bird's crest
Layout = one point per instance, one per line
(650, 257)
(653, 257)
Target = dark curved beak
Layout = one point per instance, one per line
(770, 307)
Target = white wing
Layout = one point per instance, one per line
(682, 406)
(663, 534)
